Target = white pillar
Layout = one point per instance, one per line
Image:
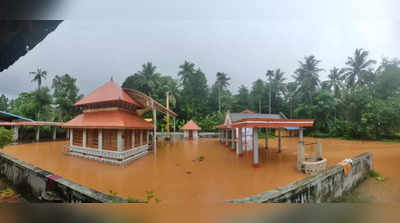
(71, 136)
(68, 132)
(280, 140)
(174, 128)
(255, 148)
(239, 143)
(318, 153)
(266, 137)
(37, 133)
(300, 156)
(233, 138)
(245, 139)
(226, 136)
(141, 137)
(301, 139)
(84, 138)
(15, 135)
(100, 139)
(54, 133)
(155, 130)
(120, 141)
(133, 138)
(148, 137)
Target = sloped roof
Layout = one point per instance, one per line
(115, 119)
(190, 125)
(239, 116)
(9, 117)
(148, 101)
(110, 91)
(247, 111)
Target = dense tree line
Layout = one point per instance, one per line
(359, 100)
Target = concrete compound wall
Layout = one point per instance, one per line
(33, 180)
(328, 186)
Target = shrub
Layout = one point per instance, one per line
(6, 137)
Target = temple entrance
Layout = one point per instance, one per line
(191, 135)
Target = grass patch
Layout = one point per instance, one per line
(376, 175)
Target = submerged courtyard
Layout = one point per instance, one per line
(206, 171)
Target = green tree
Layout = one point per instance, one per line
(145, 80)
(307, 77)
(321, 110)
(291, 89)
(42, 104)
(38, 76)
(276, 90)
(388, 79)
(194, 92)
(242, 99)
(65, 96)
(6, 137)
(257, 93)
(221, 83)
(358, 70)
(3, 103)
(220, 96)
(335, 81)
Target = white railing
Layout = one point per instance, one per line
(118, 155)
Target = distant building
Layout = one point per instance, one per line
(190, 130)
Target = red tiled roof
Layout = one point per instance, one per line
(116, 119)
(191, 125)
(110, 91)
(247, 111)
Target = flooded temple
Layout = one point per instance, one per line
(110, 128)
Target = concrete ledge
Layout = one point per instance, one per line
(327, 186)
(34, 180)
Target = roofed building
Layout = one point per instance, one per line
(190, 130)
(111, 128)
(240, 130)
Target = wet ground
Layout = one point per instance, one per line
(207, 172)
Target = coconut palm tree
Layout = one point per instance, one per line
(307, 76)
(335, 82)
(38, 76)
(276, 86)
(148, 78)
(221, 83)
(269, 75)
(358, 68)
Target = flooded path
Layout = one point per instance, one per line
(176, 175)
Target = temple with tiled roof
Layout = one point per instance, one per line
(110, 128)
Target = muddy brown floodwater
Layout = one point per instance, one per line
(177, 176)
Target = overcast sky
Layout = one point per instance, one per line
(240, 38)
